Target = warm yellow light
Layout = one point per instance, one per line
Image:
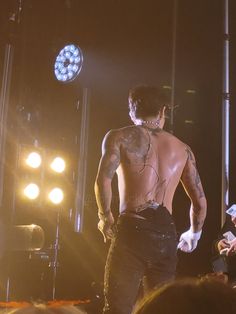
(190, 91)
(56, 195)
(31, 191)
(58, 164)
(166, 87)
(34, 160)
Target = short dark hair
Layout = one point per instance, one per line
(190, 296)
(42, 308)
(147, 100)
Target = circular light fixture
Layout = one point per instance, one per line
(68, 63)
(56, 196)
(34, 160)
(31, 191)
(58, 164)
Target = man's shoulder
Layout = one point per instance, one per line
(134, 130)
(174, 138)
(121, 131)
(116, 136)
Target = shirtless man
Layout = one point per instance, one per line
(149, 163)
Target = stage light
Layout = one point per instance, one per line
(56, 195)
(25, 238)
(34, 160)
(58, 164)
(68, 63)
(31, 191)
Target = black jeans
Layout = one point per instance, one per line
(140, 248)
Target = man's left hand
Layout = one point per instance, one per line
(188, 241)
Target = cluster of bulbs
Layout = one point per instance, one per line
(32, 190)
(68, 63)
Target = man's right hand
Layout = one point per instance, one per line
(105, 227)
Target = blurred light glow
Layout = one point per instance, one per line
(68, 63)
(190, 91)
(58, 164)
(56, 195)
(34, 160)
(31, 191)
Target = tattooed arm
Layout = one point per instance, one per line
(109, 162)
(193, 187)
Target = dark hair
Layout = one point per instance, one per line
(44, 309)
(146, 100)
(190, 296)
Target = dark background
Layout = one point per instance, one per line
(124, 43)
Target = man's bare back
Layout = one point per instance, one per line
(151, 164)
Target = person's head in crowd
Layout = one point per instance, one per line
(45, 309)
(190, 296)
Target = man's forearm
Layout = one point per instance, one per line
(198, 215)
(103, 193)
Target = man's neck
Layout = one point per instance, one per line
(151, 128)
(151, 123)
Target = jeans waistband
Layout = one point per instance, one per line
(136, 210)
(150, 218)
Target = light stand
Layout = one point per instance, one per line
(54, 264)
(172, 100)
(225, 118)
